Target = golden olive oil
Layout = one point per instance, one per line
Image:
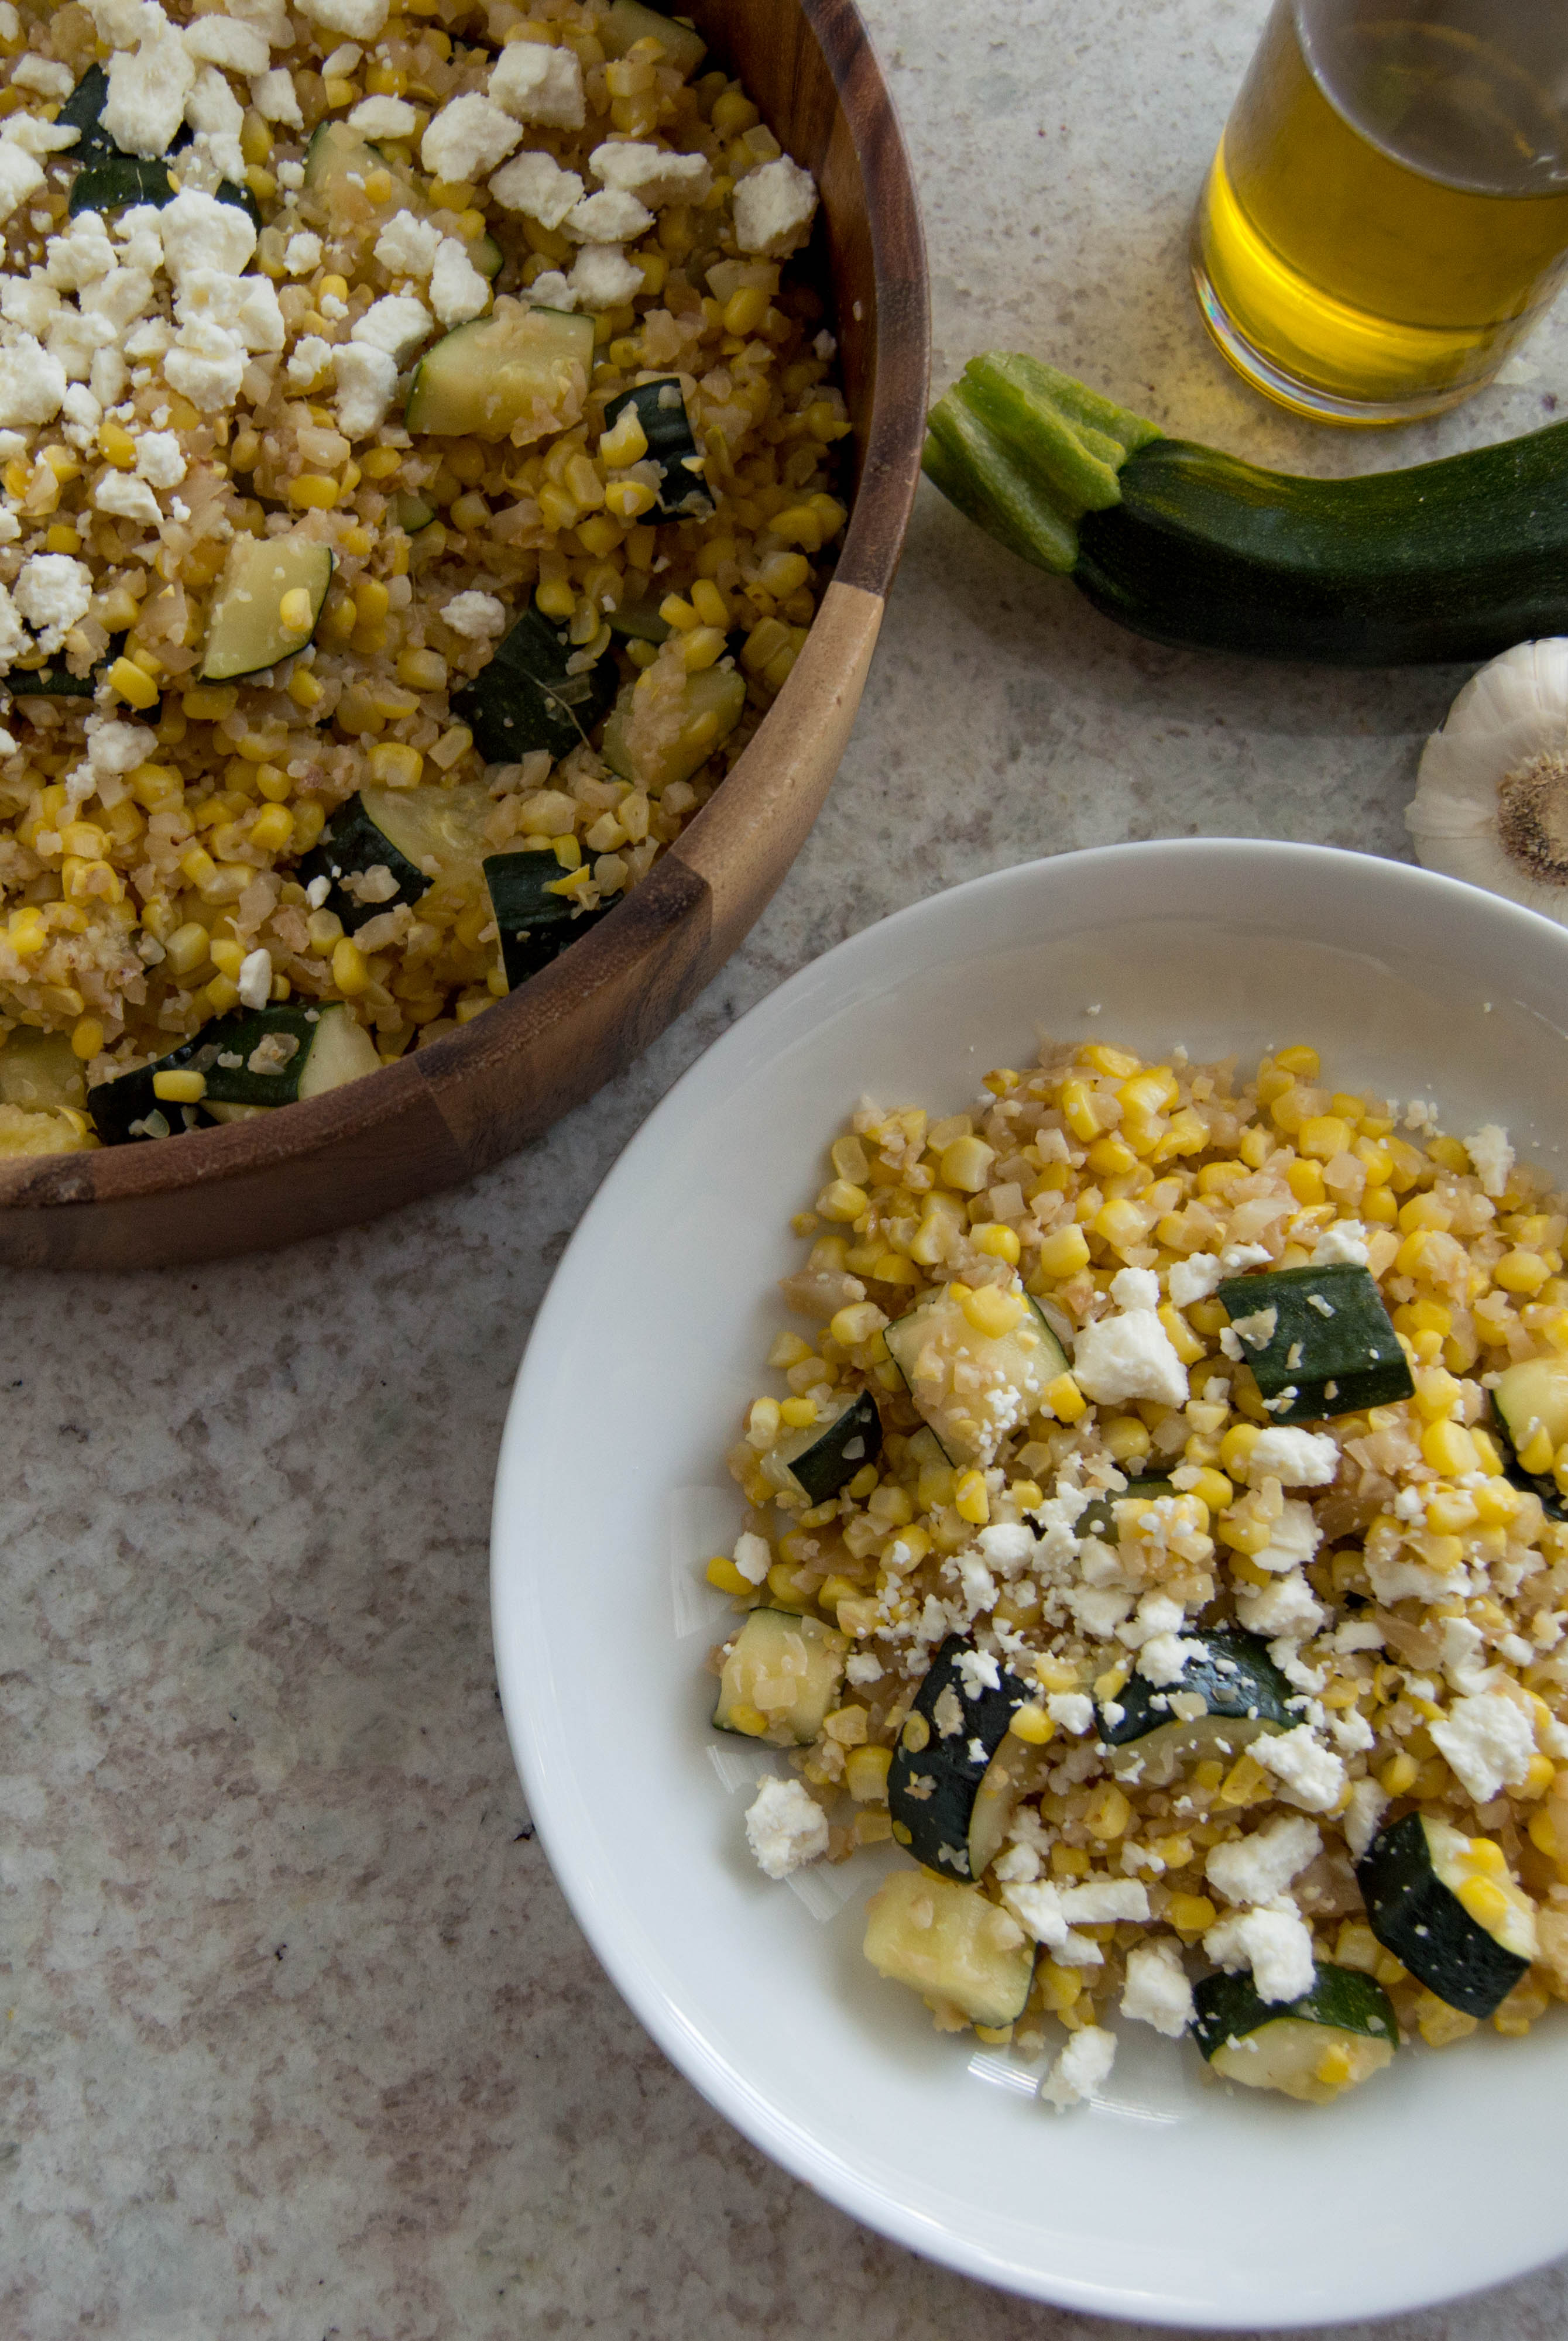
(1387, 214)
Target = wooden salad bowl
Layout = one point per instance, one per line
(451, 1109)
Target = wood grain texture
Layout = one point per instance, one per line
(464, 1102)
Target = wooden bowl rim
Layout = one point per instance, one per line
(874, 541)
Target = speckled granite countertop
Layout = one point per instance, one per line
(299, 2038)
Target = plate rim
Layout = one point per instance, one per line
(717, 2080)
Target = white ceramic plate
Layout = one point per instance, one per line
(1166, 2199)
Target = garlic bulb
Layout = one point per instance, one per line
(1491, 802)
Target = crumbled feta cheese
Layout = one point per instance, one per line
(651, 173)
(237, 48)
(1164, 1658)
(148, 86)
(139, 234)
(383, 117)
(1368, 1803)
(198, 232)
(457, 290)
(273, 96)
(367, 383)
(784, 1828)
(1488, 1742)
(1275, 1944)
(537, 184)
(342, 61)
(206, 364)
(1236, 1258)
(120, 297)
(608, 218)
(1128, 1357)
(258, 319)
(602, 278)
(1071, 1710)
(14, 640)
(861, 1669)
(29, 302)
(52, 592)
(1101, 1901)
(80, 255)
(1296, 1459)
(160, 458)
(41, 74)
(1085, 2062)
(1293, 1538)
(363, 20)
(127, 498)
(396, 323)
(1135, 1288)
(536, 83)
(1157, 1990)
(1259, 1867)
(1492, 1158)
(213, 111)
(254, 981)
(407, 245)
(301, 254)
(753, 1554)
(312, 357)
(551, 291)
(1342, 1245)
(1194, 1278)
(469, 136)
(1310, 1775)
(979, 1671)
(774, 207)
(75, 340)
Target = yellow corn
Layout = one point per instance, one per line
(179, 1086)
(349, 971)
(1449, 1448)
(626, 443)
(999, 1241)
(1065, 1399)
(1032, 1726)
(865, 1771)
(1064, 1253)
(723, 1572)
(295, 611)
(133, 686)
(86, 1038)
(841, 1200)
(972, 1501)
(994, 1313)
(1108, 1812)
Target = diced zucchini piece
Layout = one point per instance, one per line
(1332, 2039)
(257, 617)
(1014, 1368)
(1530, 1403)
(1445, 1904)
(534, 693)
(661, 409)
(951, 1734)
(819, 1459)
(517, 369)
(537, 923)
(84, 113)
(412, 513)
(629, 21)
(253, 1058)
(486, 255)
(658, 736)
(41, 1072)
(1223, 1700)
(950, 1944)
(111, 184)
(1319, 1341)
(783, 1672)
(50, 682)
(416, 835)
(639, 621)
(338, 169)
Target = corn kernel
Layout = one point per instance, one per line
(1449, 1448)
(1520, 1271)
(865, 1771)
(349, 972)
(179, 1086)
(133, 686)
(999, 1241)
(841, 1200)
(1064, 1253)
(993, 1311)
(1108, 1812)
(1065, 1399)
(86, 1038)
(972, 1501)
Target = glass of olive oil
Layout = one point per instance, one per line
(1387, 213)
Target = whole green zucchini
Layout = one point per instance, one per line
(1449, 560)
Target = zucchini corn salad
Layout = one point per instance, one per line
(416, 471)
(1162, 1535)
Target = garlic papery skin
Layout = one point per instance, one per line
(1490, 803)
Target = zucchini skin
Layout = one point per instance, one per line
(1414, 1914)
(1449, 560)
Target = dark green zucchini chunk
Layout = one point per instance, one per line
(828, 1457)
(120, 180)
(1319, 1341)
(353, 842)
(1151, 1737)
(1529, 1407)
(252, 1058)
(946, 1807)
(780, 1649)
(1098, 1518)
(84, 113)
(950, 1943)
(639, 621)
(535, 924)
(51, 681)
(1334, 2037)
(661, 409)
(1445, 1905)
(928, 1343)
(530, 696)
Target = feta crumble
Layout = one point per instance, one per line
(785, 1829)
(1157, 1990)
(775, 206)
(1276, 1944)
(1082, 2066)
(1488, 1742)
(1259, 1867)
